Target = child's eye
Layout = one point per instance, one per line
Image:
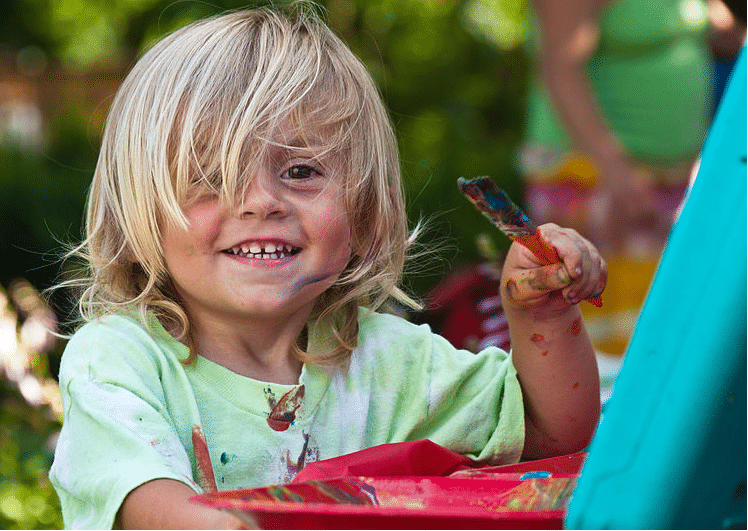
(301, 171)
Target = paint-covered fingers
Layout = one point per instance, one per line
(530, 287)
(588, 270)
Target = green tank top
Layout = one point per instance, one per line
(652, 73)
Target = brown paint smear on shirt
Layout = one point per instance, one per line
(284, 412)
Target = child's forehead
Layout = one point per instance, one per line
(292, 136)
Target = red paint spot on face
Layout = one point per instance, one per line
(545, 353)
(284, 412)
(576, 327)
(575, 385)
(535, 338)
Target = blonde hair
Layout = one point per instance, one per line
(195, 106)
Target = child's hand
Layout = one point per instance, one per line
(527, 284)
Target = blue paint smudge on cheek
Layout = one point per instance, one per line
(309, 280)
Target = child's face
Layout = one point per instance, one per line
(270, 257)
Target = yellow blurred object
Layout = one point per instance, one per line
(542, 164)
(577, 169)
(611, 326)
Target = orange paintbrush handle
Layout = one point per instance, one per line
(542, 250)
(547, 255)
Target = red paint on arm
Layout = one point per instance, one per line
(576, 327)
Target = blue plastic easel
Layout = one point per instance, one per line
(670, 452)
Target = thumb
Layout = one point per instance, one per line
(532, 284)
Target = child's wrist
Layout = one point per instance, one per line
(551, 313)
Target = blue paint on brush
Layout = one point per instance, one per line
(496, 205)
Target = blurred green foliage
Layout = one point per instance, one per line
(27, 499)
(31, 410)
(452, 72)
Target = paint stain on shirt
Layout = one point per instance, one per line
(283, 413)
(308, 454)
(205, 476)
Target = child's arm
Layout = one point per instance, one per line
(164, 504)
(551, 350)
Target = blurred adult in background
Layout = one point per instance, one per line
(618, 110)
(727, 38)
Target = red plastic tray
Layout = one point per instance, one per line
(492, 500)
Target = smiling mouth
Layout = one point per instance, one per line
(268, 251)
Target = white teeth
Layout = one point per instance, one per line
(270, 252)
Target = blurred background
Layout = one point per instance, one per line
(454, 74)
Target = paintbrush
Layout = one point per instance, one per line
(509, 218)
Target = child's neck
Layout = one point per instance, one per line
(263, 355)
(287, 372)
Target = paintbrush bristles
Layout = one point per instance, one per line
(494, 203)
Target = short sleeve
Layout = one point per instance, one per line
(117, 432)
(422, 387)
(475, 403)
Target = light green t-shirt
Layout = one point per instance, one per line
(134, 412)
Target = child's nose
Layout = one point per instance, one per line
(263, 199)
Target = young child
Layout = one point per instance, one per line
(244, 223)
